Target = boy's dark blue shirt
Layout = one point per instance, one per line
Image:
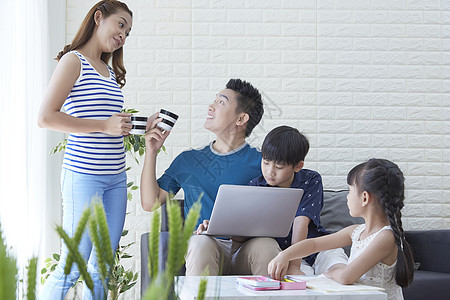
(310, 206)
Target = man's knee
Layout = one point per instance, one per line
(202, 247)
(264, 248)
(202, 252)
(257, 254)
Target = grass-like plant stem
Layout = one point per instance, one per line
(189, 226)
(175, 233)
(105, 240)
(162, 284)
(202, 288)
(95, 238)
(78, 235)
(8, 272)
(31, 278)
(153, 244)
(77, 258)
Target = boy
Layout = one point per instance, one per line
(283, 154)
(228, 160)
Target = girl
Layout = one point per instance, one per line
(380, 255)
(94, 162)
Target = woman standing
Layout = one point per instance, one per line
(89, 90)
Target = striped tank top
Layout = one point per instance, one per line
(96, 97)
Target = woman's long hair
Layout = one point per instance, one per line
(384, 180)
(84, 34)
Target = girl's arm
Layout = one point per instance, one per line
(64, 77)
(381, 249)
(278, 266)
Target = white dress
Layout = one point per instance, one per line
(381, 275)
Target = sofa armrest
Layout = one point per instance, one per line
(162, 251)
(145, 277)
(431, 249)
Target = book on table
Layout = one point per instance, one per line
(260, 283)
(327, 285)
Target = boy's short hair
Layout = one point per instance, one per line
(285, 144)
(248, 101)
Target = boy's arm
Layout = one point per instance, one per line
(299, 233)
(310, 206)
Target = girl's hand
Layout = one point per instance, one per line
(155, 137)
(118, 124)
(278, 266)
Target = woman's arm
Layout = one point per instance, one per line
(381, 249)
(63, 79)
(278, 266)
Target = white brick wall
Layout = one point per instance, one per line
(359, 78)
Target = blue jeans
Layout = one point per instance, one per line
(77, 192)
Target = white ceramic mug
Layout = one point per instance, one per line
(138, 125)
(169, 119)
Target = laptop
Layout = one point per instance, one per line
(253, 211)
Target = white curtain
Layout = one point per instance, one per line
(23, 146)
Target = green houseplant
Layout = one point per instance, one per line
(162, 284)
(121, 280)
(93, 220)
(9, 277)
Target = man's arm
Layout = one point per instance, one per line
(151, 193)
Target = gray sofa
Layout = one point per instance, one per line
(431, 250)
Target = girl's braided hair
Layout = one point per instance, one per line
(384, 180)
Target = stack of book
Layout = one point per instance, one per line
(262, 283)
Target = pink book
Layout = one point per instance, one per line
(258, 281)
(292, 282)
(293, 285)
(261, 283)
(259, 288)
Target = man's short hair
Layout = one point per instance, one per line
(248, 101)
(285, 144)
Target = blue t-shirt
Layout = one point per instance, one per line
(204, 170)
(310, 206)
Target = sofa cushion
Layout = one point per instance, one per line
(427, 246)
(434, 285)
(335, 214)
